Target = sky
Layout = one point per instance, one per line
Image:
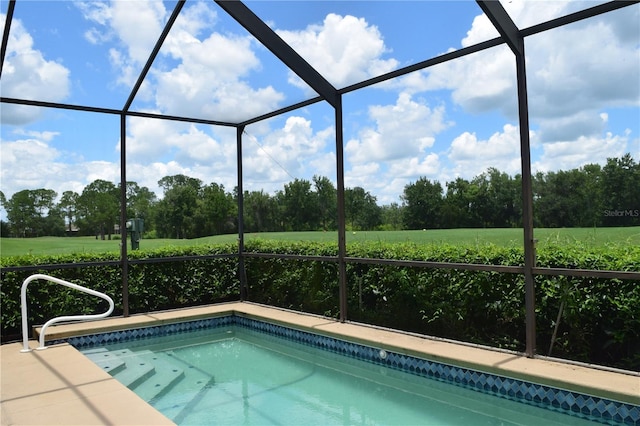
(456, 119)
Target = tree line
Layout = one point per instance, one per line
(591, 195)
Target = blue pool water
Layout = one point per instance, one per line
(234, 375)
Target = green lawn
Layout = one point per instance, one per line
(503, 237)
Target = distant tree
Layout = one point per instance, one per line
(391, 217)
(68, 206)
(33, 213)
(169, 182)
(496, 199)
(552, 203)
(567, 198)
(591, 193)
(621, 191)
(53, 222)
(300, 206)
(98, 208)
(140, 202)
(175, 213)
(260, 212)
(216, 211)
(4, 226)
(327, 201)
(361, 210)
(21, 213)
(457, 211)
(422, 204)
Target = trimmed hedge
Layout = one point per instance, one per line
(152, 286)
(600, 321)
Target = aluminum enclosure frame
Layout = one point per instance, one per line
(510, 34)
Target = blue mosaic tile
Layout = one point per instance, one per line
(585, 406)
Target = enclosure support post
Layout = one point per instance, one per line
(342, 246)
(242, 275)
(527, 206)
(515, 40)
(123, 215)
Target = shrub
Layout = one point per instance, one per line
(152, 286)
(599, 321)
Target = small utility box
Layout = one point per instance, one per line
(135, 227)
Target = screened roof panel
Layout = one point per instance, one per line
(83, 53)
(211, 68)
(582, 81)
(528, 13)
(351, 41)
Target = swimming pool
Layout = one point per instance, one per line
(417, 391)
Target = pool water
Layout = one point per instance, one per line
(235, 376)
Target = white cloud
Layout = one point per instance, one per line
(148, 174)
(383, 158)
(592, 68)
(210, 77)
(293, 151)
(45, 136)
(148, 139)
(568, 69)
(34, 164)
(586, 123)
(199, 72)
(481, 82)
(404, 129)
(361, 175)
(152, 140)
(26, 74)
(325, 164)
(344, 49)
(198, 148)
(134, 26)
(575, 76)
(138, 24)
(414, 167)
(583, 150)
(471, 157)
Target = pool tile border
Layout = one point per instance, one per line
(569, 402)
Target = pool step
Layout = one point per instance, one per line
(186, 393)
(137, 370)
(166, 376)
(147, 373)
(107, 360)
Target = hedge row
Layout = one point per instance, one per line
(599, 322)
(152, 286)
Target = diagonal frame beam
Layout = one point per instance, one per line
(154, 54)
(504, 24)
(272, 41)
(5, 34)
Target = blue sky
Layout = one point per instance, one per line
(453, 120)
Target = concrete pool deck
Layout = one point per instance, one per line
(61, 386)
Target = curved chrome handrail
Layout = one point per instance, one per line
(23, 301)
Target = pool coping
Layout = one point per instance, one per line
(55, 361)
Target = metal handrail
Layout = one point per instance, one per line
(23, 300)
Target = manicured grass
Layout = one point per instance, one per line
(501, 237)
